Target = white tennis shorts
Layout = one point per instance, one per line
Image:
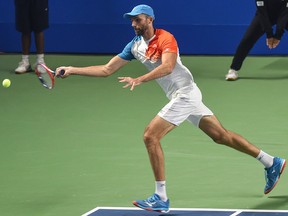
(185, 104)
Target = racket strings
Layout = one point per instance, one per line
(45, 75)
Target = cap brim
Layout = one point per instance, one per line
(128, 15)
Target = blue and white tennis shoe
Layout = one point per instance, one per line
(272, 174)
(153, 203)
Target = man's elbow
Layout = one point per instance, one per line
(107, 72)
(170, 68)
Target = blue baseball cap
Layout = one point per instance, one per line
(140, 9)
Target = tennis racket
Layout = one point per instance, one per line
(46, 76)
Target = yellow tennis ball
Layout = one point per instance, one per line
(6, 83)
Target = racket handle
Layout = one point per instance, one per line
(62, 72)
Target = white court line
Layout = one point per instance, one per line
(236, 211)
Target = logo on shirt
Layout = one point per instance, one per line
(153, 53)
(260, 3)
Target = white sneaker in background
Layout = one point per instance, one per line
(38, 62)
(23, 67)
(232, 75)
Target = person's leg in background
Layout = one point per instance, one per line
(251, 36)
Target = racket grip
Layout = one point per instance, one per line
(62, 72)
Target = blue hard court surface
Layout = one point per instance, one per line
(106, 211)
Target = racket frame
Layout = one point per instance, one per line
(50, 73)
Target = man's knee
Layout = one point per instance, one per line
(222, 138)
(148, 137)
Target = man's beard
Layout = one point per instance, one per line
(139, 32)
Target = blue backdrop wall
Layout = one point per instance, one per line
(94, 26)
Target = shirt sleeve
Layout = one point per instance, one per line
(126, 54)
(264, 18)
(169, 44)
(282, 21)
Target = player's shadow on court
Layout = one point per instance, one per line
(273, 202)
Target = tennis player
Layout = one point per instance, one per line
(157, 49)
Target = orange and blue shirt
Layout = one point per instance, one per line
(150, 52)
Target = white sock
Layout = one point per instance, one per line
(265, 159)
(161, 190)
(40, 58)
(25, 59)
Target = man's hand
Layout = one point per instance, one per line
(275, 42)
(272, 43)
(66, 69)
(130, 82)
